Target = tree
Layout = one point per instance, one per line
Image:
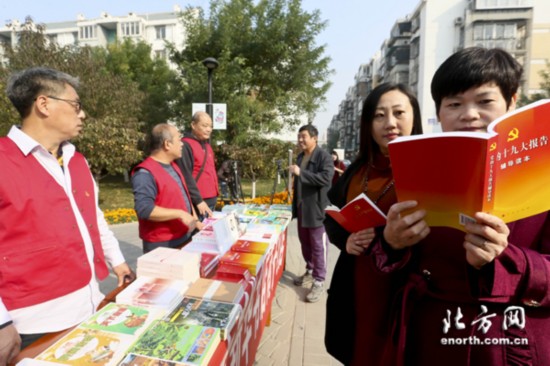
(257, 157)
(159, 84)
(544, 86)
(111, 102)
(271, 71)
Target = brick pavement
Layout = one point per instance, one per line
(295, 336)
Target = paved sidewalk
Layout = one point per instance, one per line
(295, 336)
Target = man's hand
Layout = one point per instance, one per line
(358, 242)
(10, 344)
(485, 239)
(124, 274)
(189, 220)
(199, 225)
(204, 210)
(294, 169)
(404, 231)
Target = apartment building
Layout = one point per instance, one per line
(418, 44)
(154, 28)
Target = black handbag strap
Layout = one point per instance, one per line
(203, 164)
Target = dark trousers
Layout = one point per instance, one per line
(314, 249)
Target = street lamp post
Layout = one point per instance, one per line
(211, 63)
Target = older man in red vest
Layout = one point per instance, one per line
(199, 165)
(54, 241)
(162, 202)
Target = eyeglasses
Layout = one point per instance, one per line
(77, 104)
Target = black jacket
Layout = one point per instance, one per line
(340, 317)
(311, 187)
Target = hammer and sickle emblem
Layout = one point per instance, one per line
(513, 134)
(493, 146)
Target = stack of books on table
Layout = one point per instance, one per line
(251, 261)
(256, 210)
(237, 274)
(149, 292)
(264, 233)
(280, 208)
(232, 273)
(270, 222)
(249, 246)
(102, 339)
(193, 311)
(205, 236)
(169, 263)
(215, 290)
(209, 263)
(238, 208)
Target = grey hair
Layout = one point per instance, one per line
(159, 134)
(25, 86)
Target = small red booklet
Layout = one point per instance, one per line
(359, 214)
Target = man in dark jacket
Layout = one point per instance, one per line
(313, 173)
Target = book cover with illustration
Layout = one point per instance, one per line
(207, 313)
(119, 318)
(190, 344)
(358, 214)
(88, 347)
(504, 172)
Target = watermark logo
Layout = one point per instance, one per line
(513, 316)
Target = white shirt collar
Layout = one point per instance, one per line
(27, 144)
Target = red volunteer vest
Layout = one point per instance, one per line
(42, 252)
(168, 196)
(208, 180)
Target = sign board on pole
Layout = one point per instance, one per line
(219, 114)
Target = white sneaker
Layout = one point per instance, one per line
(316, 292)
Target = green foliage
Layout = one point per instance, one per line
(257, 157)
(544, 86)
(8, 114)
(271, 72)
(110, 101)
(132, 61)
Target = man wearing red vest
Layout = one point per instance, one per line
(198, 165)
(162, 202)
(54, 240)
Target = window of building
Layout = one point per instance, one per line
(52, 38)
(493, 4)
(131, 28)
(502, 35)
(160, 54)
(88, 32)
(160, 31)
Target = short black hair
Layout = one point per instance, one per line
(473, 67)
(311, 129)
